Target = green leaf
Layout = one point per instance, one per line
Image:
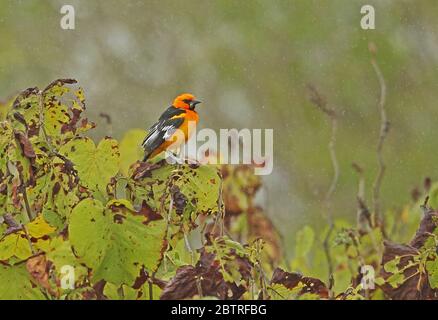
(27, 109)
(130, 149)
(95, 165)
(280, 292)
(5, 140)
(392, 265)
(15, 284)
(17, 245)
(60, 254)
(432, 271)
(396, 280)
(124, 292)
(55, 117)
(114, 243)
(63, 106)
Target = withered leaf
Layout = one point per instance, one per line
(204, 279)
(413, 283)
(413, 287)
(59, 82)
(25, 144)
(39, 268)
(293, 280)
(427, 227)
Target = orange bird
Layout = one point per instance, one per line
(162, 134)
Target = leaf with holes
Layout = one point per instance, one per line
(194, 190)
(95, 165)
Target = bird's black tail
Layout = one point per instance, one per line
(146, 157)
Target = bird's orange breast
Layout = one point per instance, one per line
(190, 118)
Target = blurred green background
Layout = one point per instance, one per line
(250, 61)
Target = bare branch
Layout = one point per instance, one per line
(363, 217)
(384, 129)
(425, 207)
(321, 103)
(28, 239)
(334, 160)
(361, 188)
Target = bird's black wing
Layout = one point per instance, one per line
(171, 112)
(163, 129)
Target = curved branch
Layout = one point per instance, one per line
(384, 129)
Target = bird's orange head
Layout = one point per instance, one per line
(186, 101)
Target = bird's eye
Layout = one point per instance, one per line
(186, 101)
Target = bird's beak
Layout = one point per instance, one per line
(193, 103)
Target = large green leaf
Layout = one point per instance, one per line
(15, 284)
(95, 165)
(193, 189)
(114, 242)
(60, 254)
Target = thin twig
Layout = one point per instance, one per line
(384, 129)
(13, 225)
(424, 207)
(328, 257)
(220, 217)
(334, 160)
(168, 216)
(363, 216)
(26, 204)
(361, 260)
(263, 277)
(199, 286)
(151, 290)
(28, 239)
(222, 208)
(47, 138)
(321, 104)
(27, 207)
(189, 248)
(364, 221)
(361, 187)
